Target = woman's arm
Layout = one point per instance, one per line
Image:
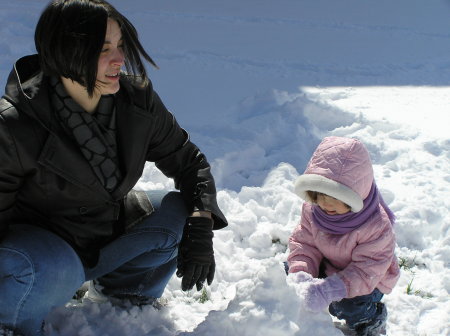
(178, 158)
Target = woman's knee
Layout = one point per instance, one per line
(169, 202)
(170, 213)
(17, 276)
(38, 271)
(33, 258)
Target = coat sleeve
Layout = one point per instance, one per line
(304, 255)
(10, 175)
(371, 259)
(178, 158)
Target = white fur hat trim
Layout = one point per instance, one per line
(329, 187)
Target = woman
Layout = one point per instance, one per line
(75, 133)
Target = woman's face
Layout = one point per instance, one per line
(111, 60)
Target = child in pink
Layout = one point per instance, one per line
(344, 245)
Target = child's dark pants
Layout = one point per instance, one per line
(357, 310)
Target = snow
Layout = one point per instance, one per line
(258, 83)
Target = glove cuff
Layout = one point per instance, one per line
(204, 222)
(197, 241)
(336, 288)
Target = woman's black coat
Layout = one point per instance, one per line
(46, 181)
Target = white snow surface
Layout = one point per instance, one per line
(258, 83)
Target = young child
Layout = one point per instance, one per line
(344, 245)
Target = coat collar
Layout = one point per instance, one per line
(27, 89)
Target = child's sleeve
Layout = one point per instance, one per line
(304, 255)
(371, 259)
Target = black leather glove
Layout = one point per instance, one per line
(195, 253)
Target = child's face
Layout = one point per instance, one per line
(331, 205)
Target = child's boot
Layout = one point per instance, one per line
(377, 326)
(7, 332)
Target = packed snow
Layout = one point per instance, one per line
(258, 84)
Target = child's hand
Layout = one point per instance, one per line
(322, 292)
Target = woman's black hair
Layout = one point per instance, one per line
(69, 38)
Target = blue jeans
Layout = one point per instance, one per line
(40, 271)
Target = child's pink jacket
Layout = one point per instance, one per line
(363, 258)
